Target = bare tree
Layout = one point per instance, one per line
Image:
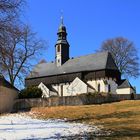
(9, 17)
(125, 55)
(19, 46)
(18, 52)
(10, 9)
(9, 13)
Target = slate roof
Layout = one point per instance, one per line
(5, 83)
(124, 84)
(92, 62)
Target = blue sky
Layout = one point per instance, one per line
(88, 22)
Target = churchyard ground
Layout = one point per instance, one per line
(117, 121)
(122, 119)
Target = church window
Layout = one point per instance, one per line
(99, 88)
(61, 90)
(109, 88)
(58, 48)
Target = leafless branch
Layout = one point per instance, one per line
(125, 55)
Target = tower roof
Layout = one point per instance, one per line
(62, 27)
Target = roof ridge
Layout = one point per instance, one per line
(90, 54)
(90, 62)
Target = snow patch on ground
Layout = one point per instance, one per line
(21, 126)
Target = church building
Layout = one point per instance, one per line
(71, 76)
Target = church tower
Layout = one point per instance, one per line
(62, 46)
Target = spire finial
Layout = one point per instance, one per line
(62, 19)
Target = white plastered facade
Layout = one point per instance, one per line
(104, 85)
(125, 91)
(77, 86)
(46, 92)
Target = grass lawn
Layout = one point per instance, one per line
(122, 118)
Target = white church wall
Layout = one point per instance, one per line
(58, 88)
(113, 85)
(125, 91)
(94, 84)
(65, 90)
(45, 90)
(103, 86)
(71, 89)
(91, 90)
(77, 87)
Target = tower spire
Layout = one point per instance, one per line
(62, 45)
(61, 18)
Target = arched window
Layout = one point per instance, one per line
(109, 88)
(99, 88)
(58, 48)
(61, 90)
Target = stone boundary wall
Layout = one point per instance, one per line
(7, 99)
(137, 96)
(25, 104)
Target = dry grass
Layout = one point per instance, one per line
(123, 118)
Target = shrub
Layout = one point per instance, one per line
(94, 94)
(30, 92)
